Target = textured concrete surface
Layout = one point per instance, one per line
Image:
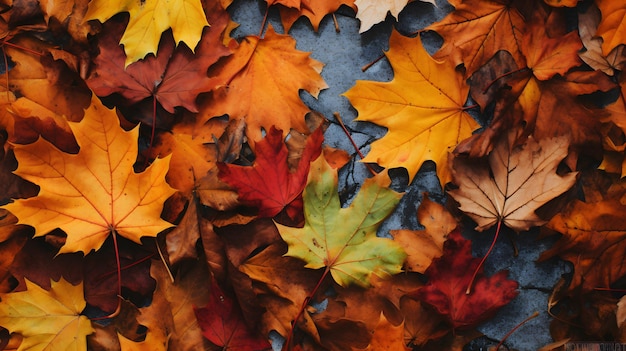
(344, 54)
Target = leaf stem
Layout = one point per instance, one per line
(504, 75)
(336, 23)
(21, 48)
(469, 107)
(532, 316)
(308, 298)
(345, 130)
(167, 267)
(493, 243)
(130, 265)
(119, 280)
(267, 10)
(369, 65)
(610, 290)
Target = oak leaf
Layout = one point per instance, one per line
(422, 107)
(274, 64)
(222, 324)
(448, 278)
(477, 29)
(96, 192)
(421, 246)
(269, 184)
(149, 19)
(370, 12)
(612, 27)
(47, 319)
(343, 240)
(512, 183)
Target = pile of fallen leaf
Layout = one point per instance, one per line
(166, 188)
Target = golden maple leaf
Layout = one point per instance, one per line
(96, 192)
(47, 320)
(516, 182)
(149, 19)
(423, 108)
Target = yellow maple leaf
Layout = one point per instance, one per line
(47, 320)
(155, 341)
(96, 192)
(149, 19)
(423, 108)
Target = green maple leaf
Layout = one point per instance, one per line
(47, 320)
(344, 239)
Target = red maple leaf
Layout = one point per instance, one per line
(222, 324)
(269, 184)
(449, 277)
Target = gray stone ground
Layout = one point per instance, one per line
(344, 54)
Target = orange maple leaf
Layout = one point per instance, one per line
(260, 83)
(477, 29)
(549, 55)
(421, 246)
(612, 27)
(594, 239)
(387, 337)
(96, 192)
(43, 95)
(314, 10)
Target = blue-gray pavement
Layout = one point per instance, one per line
(344, 54)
